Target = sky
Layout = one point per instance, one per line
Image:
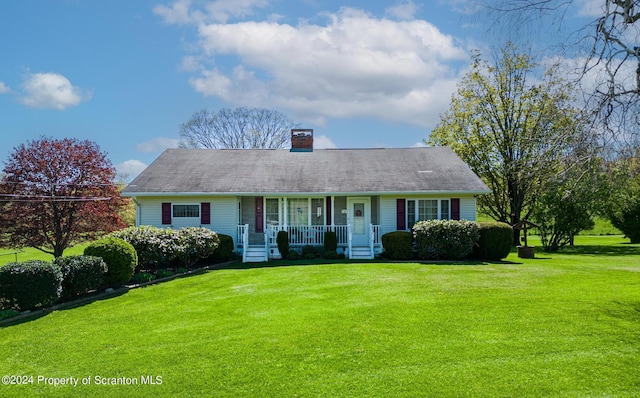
(125, 74)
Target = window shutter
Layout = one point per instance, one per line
(401, 215)
(455, 208)
(166, 213)
(327, 204)
(205, 213)
(259, 214)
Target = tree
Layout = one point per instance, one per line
(237, 128)
(610, 62)
(624, 204)
(568, 204)
(512, 130)
(57, 193)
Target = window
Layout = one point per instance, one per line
(317, 211)
(427, 209)
(305, 211)
(298, 211)
(186, 211)
(272, 211)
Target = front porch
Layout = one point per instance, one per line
(359, 242)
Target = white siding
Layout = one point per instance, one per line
(468, 208)
(388, 219)
(224, 213)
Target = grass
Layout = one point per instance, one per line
(29, 253)
(563, 324)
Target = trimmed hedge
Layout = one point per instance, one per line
(120, 257)
(29, 285)
(80, 274)
(282, 239)
(159, 248)
(330, 241)
(155, 247)
(445, 239)
(224, 252)
(495, 241)
(398, 245)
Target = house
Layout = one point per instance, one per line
(251, 194)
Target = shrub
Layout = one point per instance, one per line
(330, 241)
(155, 247)
(445, 239)
(224, 252)
(142, 277)
(120, 257)
(398, 245)
(194, 244)
(293, 255)
(309, 252)
(627, 218)
(164, 273)
(159, 248)
(330, 254)
(495, 241)
(6, 314)
(30, 284)
(80, 274)
(282, 239)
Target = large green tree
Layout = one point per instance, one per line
(512, 125)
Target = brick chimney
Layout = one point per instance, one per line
(301, 140)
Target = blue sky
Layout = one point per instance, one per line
(126, 74)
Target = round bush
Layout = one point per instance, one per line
(224, 252)
(495, 241)
(120, 257)
(29, 285)
(397, 245)
(80, 274)
(445, 239)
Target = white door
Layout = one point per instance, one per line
(359, 217)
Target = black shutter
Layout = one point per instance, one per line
(455, 208)
(401, 214)
(166, 213)
(259, 214)
(205, 213)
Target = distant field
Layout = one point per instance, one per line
(602, 226)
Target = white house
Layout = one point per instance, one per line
(251, 194)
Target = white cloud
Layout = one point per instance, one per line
(157, 145)
(323, 142)
(129, 169)
(51, 90)
(419, 144)
(215, 11)
(3, 88)
(403, 10)
(354, 66)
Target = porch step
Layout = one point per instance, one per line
(361, 253)
(255, 254)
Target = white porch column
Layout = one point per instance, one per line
(286, 213)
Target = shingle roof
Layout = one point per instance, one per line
(331, 171)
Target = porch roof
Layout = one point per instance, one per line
(323, 171)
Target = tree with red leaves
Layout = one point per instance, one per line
(55, 193)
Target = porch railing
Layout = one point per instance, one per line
(303, 235)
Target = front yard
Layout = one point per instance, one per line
(563, 324)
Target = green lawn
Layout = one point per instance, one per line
(563, 324)
(29, 253)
